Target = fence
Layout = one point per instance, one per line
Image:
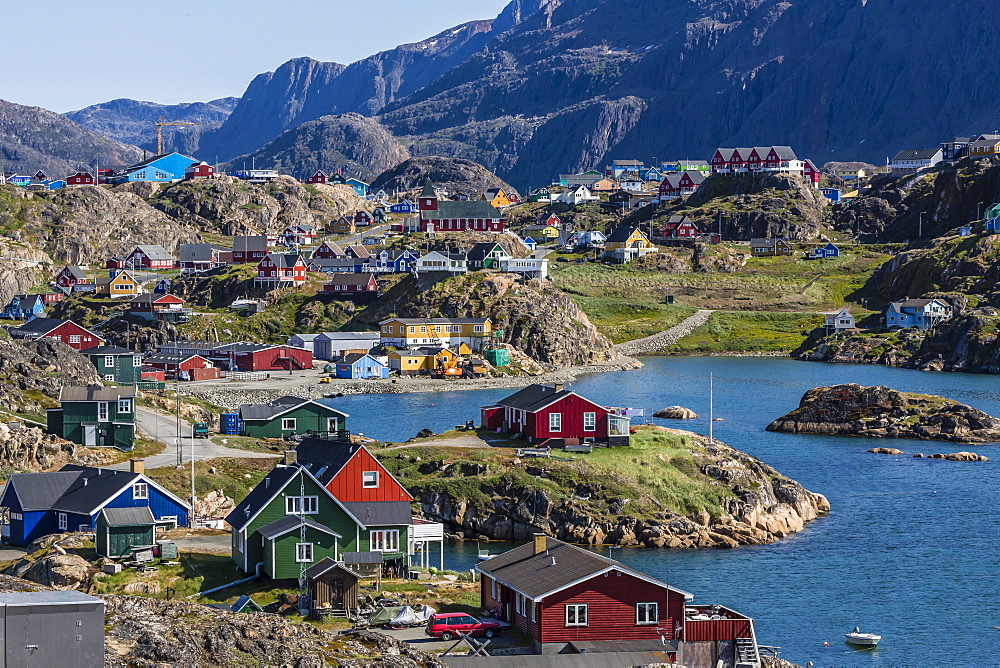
(247, 375)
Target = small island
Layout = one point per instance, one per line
(881, 412)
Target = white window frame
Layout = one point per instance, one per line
(288, 423)
(573, 611)
(303, 553)
(140, 491)
(301, 505)
(494, 586)
(102, 411)
(590, 421)
(74, 338)
(651, 612)
(63, 521)
(555, 421)
(367, 482)
(109, 360)
(383, 540)
(124, 405)
(110, 377)
(137, 360)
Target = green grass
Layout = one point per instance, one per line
(736, 331)
(235, 477)
(624, 320)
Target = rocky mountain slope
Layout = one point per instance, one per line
(358, 145)
(32, 138)
(133, 121)
(881, 412)
(453, 174)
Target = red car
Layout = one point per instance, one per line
(445, 625)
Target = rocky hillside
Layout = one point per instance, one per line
(758, 207)
(358, 145)
(133, 121)
(453, 174)
(32, 138)
(881, 412)
(939, 201)
(668, 489)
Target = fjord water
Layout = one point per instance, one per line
(911, 549)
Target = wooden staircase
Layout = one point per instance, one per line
(747, 655)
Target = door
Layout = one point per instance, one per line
(337, 595)
(90, 435)
(331, 425)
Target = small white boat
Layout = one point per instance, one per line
(856, 637)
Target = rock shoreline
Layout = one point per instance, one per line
(881, 412)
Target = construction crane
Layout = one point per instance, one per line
(159, 131)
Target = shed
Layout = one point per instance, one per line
(333, 587)
(365, 564)
(121, 529)
(51, 628)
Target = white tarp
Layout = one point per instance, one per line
(409, 616)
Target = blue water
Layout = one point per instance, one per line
(910, 549)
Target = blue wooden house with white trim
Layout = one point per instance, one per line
(24, 307)
(71, 498)
(361, 365)
(406, 206)
(530, 243)
(360, 187)
(829, 250)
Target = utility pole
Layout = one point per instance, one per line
(920, 227)
(177, 408)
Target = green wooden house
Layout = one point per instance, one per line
(289, 522)
(95, 416)
(120, 529)
(116, 364)
(487, 255)
(290, 415)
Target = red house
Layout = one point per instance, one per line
(281, 268)
(72, 275)
(150, 256)
(172, 364)
(689, 181)
(328, 250)
(680, 227)
(552, 219)
(80, 179)
(810, 172)
(318, 177)
(352, 286)
(251, 248)
(67, 331)
(243, 356)
(444, 216)
(350, 472)
(153, 306)
(562, 595)
(541, 412)
(198, 170)
(362, 217)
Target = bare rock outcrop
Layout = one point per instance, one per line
(675, 413)
(60, 571)
(881, 412)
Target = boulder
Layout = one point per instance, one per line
(886, 451)
(962, 457)
(60, 571)
(675, 413)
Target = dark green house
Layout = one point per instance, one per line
(290, 415)
(487, 255)
(95, 416)
(116, 364)
(120, 529)
(289, 522)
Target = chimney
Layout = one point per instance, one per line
(290, 457)
(539, 543)
(137, 465)
(558, 387)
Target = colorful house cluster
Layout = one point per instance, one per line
(760, 159)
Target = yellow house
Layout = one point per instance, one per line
(497, 197)
(120, 285)
(604, 185)
(422, 360)
(849, 173)
(547, 232)
(444, 332)
(626, 243)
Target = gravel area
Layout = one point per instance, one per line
(652, 344)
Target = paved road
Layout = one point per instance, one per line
(163, 428)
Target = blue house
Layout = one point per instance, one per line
(24, 307)
(651, 174)
(406, 206)
(56, 185)
(832, 194)
(361, 365)
(993, 225)
(162, 286)
(391, 262)
(165, 168)
(530, 243)
(360, 187)
(18, 180)
(829, 250)
(71, 498)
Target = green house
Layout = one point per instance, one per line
(116, 364)
(290, 415)
(95, 416)
(120, 529)
(289, 522)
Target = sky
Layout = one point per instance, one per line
(75, 54)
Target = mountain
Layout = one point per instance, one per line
(552, 86)
(304, 89)
(32, 138)
(132, 121)
(357, 144)
(453, 174)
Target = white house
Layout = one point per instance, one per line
(919, 313)
(435, 261)
(838, 321)
(909, 162)
(577, 195)
(529, 267)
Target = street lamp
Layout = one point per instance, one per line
(920, 227)
(979, 209)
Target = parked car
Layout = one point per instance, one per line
(445, 625)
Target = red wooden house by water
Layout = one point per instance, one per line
(67, 331)
(350, 472)
(540, 412)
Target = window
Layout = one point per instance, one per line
(102, 411)
(110, 377)
(494, 587)
(576, 614)
(388, 329)
(74, 338)
(16, 516)
(109, 360)
(63, 524)
(124, 405)
(423, 330)
(303, 553)
(478, 329)
(301, 505)
(140, 490)
(589, 421)
(647, 613)
(385, 540)
(287, 423)
(369, 479)
(555, 421)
